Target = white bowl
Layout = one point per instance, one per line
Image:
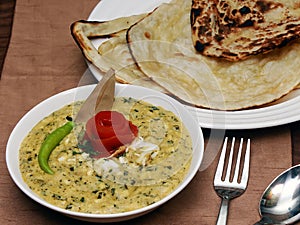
(57, 101)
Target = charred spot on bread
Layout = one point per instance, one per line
(243, 27)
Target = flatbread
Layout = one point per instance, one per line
(237, 29)
(161, 56)
(114, 53)
(162, 47)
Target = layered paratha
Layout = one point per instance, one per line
(237, 29)
(161, 44)
(156, 49)
(114, 53)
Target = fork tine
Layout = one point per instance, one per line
(238, 162)
(219, 171)
(226, 189)
(230, 160)
(245, 174)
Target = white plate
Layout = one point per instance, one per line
(282, 112)
(58, 101)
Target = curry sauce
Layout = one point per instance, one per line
(150, 168)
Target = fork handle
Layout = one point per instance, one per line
(223, 212)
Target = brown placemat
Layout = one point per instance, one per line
(7, 8)
(43, 60)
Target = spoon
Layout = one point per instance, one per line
(280, 203)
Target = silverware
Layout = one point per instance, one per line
(226, 188)
(280, 202)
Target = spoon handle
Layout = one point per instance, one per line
(265, 221)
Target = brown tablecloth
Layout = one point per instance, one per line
(43, 60)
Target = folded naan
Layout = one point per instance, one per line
(114, 52)
(237, 29)
(162, 47)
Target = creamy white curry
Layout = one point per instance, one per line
(151, 167)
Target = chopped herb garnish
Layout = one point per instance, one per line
(153, 108)
(69, 206)
(176, 127)
(56, 196)
(132, 182)
(76, 153)
(127, 100)
(69, 118)
(113, 190)
(100, 195)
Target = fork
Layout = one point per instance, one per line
(228, 189)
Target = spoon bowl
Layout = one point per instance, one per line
(280, 202)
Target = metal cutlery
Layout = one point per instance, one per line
(228, 188)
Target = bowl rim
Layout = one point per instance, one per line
(83, 90)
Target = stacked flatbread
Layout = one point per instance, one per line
(236, 29)
(156, 50)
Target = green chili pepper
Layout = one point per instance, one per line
(51, 141)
